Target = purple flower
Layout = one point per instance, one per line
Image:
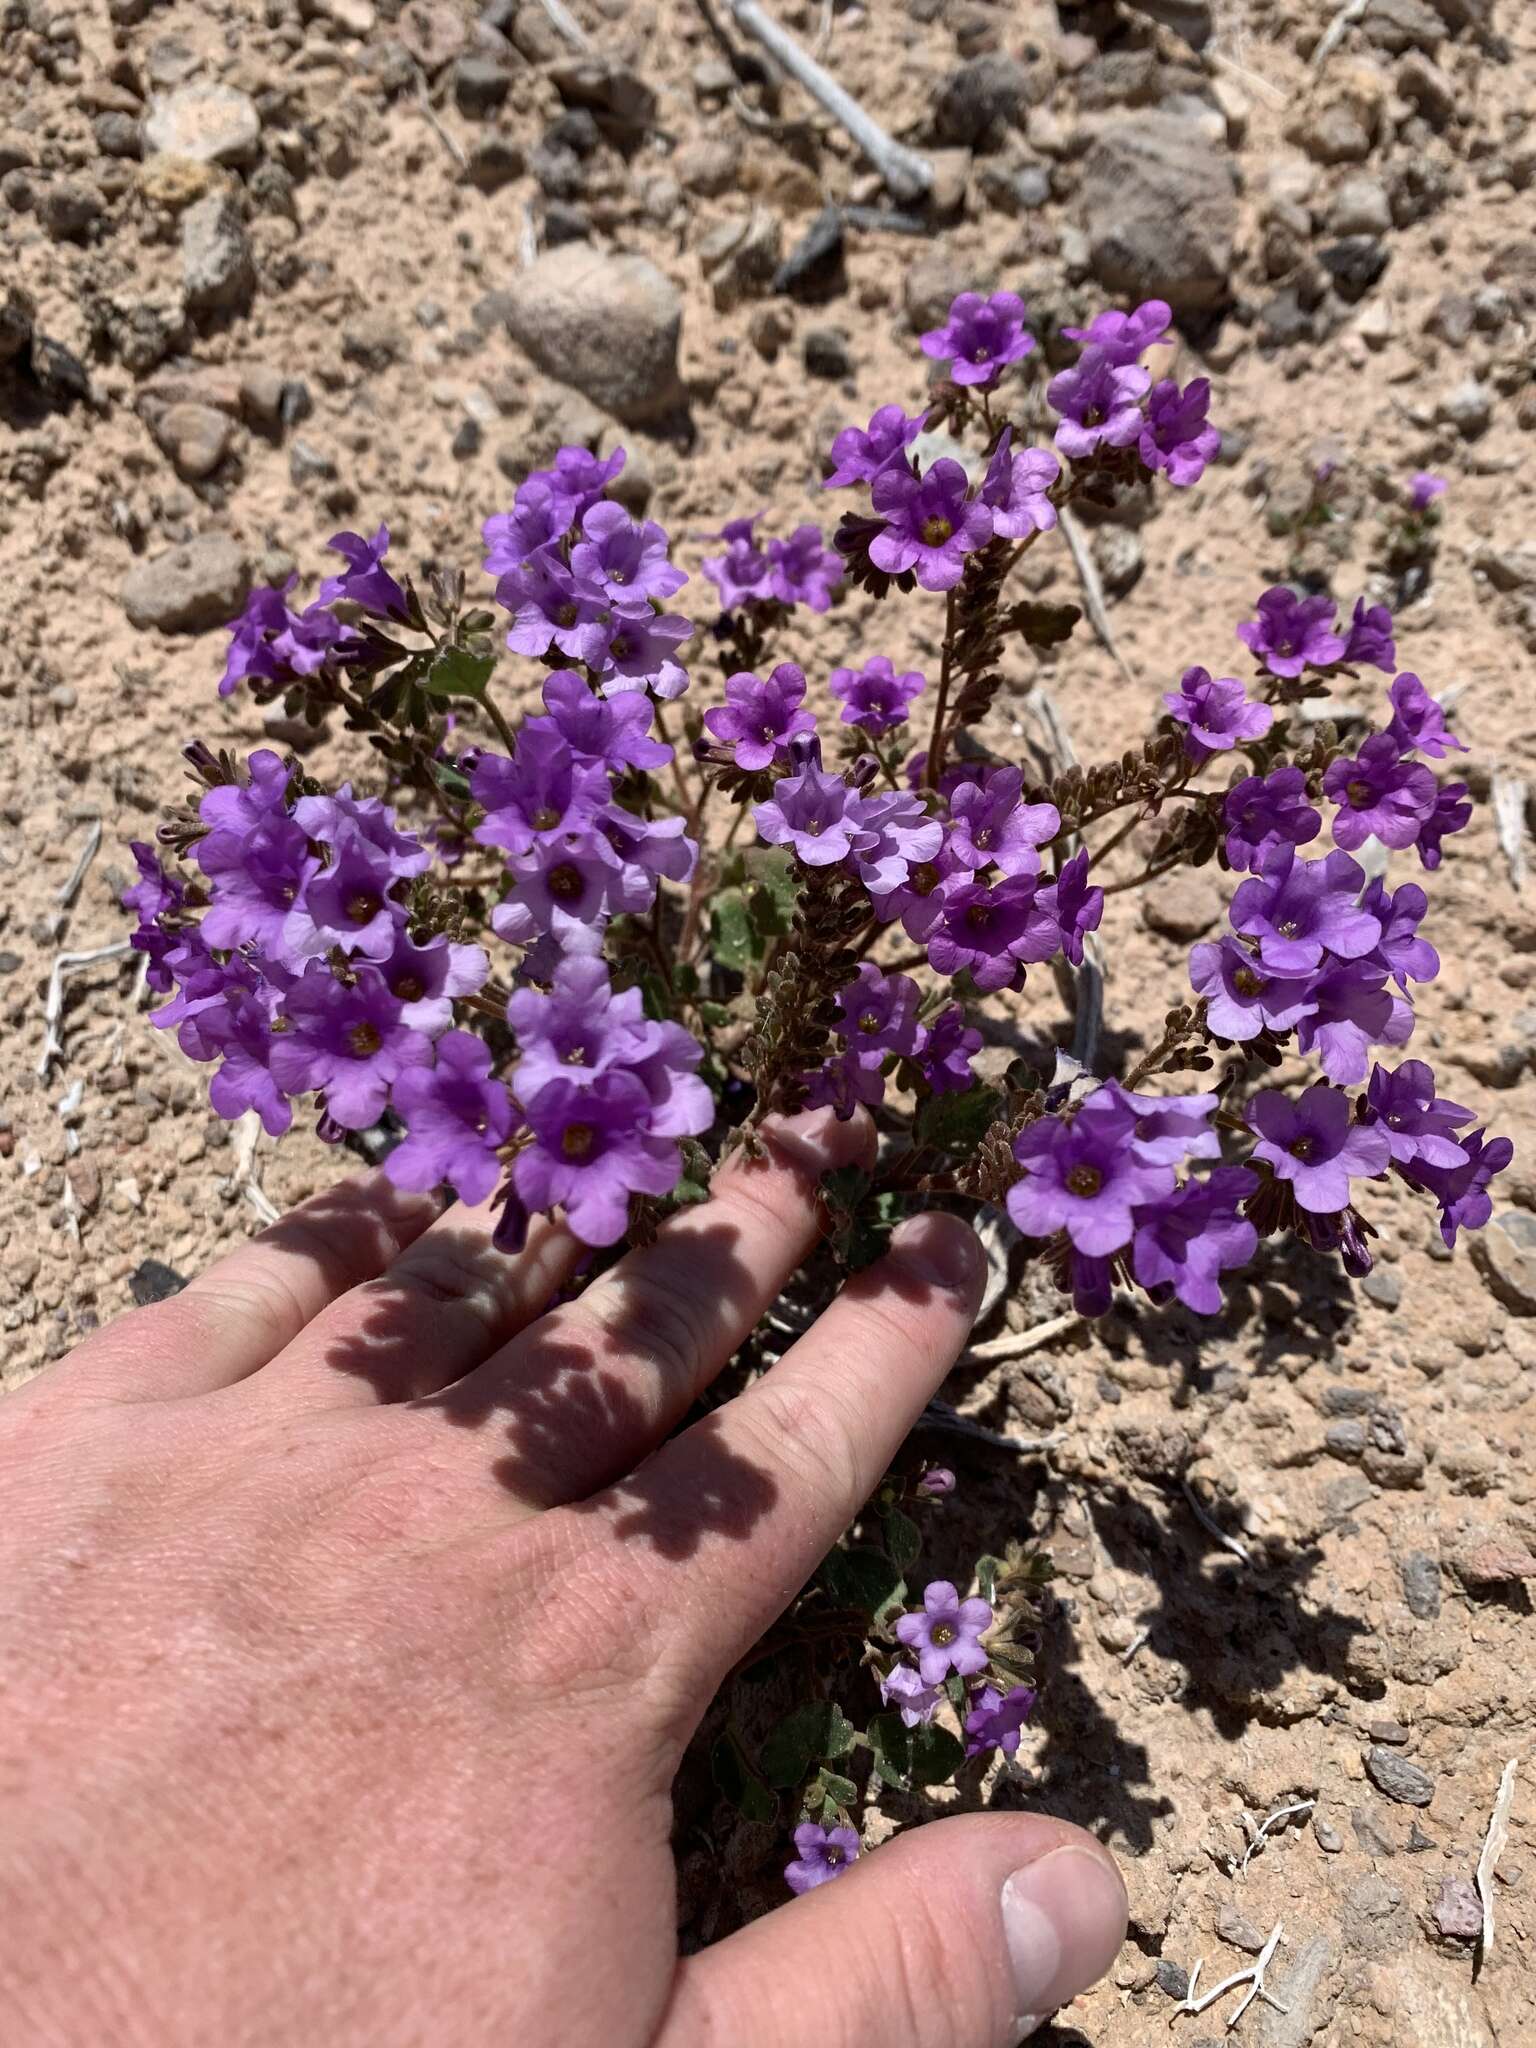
(613, 731)
(931, 525)
(947, 1634)
(1420, 1126)
(569, 885)
(815, 812)
(551, 609)
(1216, 712)
(741, 573)
(1418, 720)
(544, 789)
(1122, 337)
(651, 846)
(1076, 905)
(624, 558)
(456, 1116)
(1349, 1009)
(904, 1689)
(879, 1012)
(1100, 405)
(947, 1049)
(237, 1032)
(335, 819)
(582, 476)
(918, 899)
(802, 569)
(1186, 1242)
(270, 643)
(1017, 487)
(1379, 794)
(995, 1719)
(1300, 909)
(1313, 1144)
(896, 834)
(1242, 997)
(980, 337)
(1423, 488)
(1177, 436)
(1170, 1128)
(346, 906)
(154, 894)
(1451, 814)
(580, 1030)
(1404, 954)
(874, 696)
(994, 931)
(860, 453)
(1085, 1176)
(1263, 812)
(1292, 633)
(758, 718)
(541, 517)
(256, 876)
(592, 1149)
(936, 1483)
(365, 581)
(639, 654)
(424, 980)
(844, 1082)
(991, 828)
(345, 1040)
(820, 1855)
(1462, 1191)
(1369, 641)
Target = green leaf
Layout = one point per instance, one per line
(903, 1539)
(956, 1122)
(1042, 625)
(987, 1569)
(891, 1746)
(772, 870)
(737, 1781)
(936, 1755)
(452, 780)
(730, 923)
(864, 1578)
(813, 1731)
(910, 1757)
(835, 1789)
(455, 672)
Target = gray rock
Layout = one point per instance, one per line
(190, 588)
(928, 285)
(118, 135)
(1397, 1778)
(1370, 1832)
(1329, 1840)
(1398, 25)
(1172, 1978)
(607, 87)
(261, 395)
(709, 164)
(741, 257)
(373, 341)
(813, 270)
(1508, 568)
(825, 353)
(1505, 1255)
(1468, 408)
(978, 103)
(1355, 264)
(152, 1280)
(1383, 1286)
(217, 274)
(1345, 1440)
(1237, 1929)
(1457, 1911)
(308, 464)
(608, 324)
(480, 85)
(1160, 208)
(492, 161)
(1193, 20)
(196, 437)
(69, 208)
(211, 123)
(1360, 207)
(1333, 134)
(1425, 86)
(564, 224)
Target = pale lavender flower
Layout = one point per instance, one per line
(1177, 437)
(820, 1855)
(947, 1634)
(456, 1115)
(996, 1720)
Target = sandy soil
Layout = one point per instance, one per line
(1364, 1446)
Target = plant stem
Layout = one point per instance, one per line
(504, 731)
(941, 703)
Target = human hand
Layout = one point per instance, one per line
(356, 1617)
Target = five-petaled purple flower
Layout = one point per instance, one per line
(860, 453)
(875, 697)
(1265, 811)
(1299, 909)
(903, 1689)
(1452, 813)
(1313, 1143)
(1379, 795)
(815, 812)
(1216, 712)
(879, 1012)
(1462, 1191)
(456, 1116)
(1423, 489)
(803, 569)
(624, 558)
(947, 1634)
(1100, 404)
(1418, 720)
(1122, 337)
(1243, 997)
(741, 573)
(592, 1149)
(1017, 487)
(944, 1056)
(365, 581)
(931, 525)
(1177, 437)
(1186, 1242)
(760, 716)
(1420, 1126)
(1086, 1176)
(980, 337)
(996, 1719)
(1369, 640)
(820, 1855)
(1292, 633)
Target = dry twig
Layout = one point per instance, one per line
(1509, 824)
(906, 174)
(1252, 1976)
(1281, 1813)
(939, 1415)
(1016, 1342)
(566, 23)
(1211, 1526)
(1093, 589)
(1493, 1849)
(53, 1006)
(1334, 33)
(71, 889)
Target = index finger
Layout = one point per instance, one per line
(756, 1494)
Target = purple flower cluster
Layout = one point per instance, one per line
(584, 579)
(1382, 794)
(1105, 1178)
(1216, 713)
(980, 337)
(878, 1024)
(945, 1637)
(801, 569)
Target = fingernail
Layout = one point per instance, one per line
(1064, 1917)
(815, 1140)
(940, 1249)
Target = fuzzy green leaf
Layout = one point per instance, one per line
(735, 1778)
(956, 1122)
(862, 1577)
(812, 1732)
(735, 942)
(903, 1539)
(456, 672)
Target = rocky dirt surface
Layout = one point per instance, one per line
(320, 262)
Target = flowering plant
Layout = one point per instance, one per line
(565, 962)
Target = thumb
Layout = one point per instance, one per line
(962, 1934)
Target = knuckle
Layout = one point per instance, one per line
(808, 1430)
(660, 1316)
